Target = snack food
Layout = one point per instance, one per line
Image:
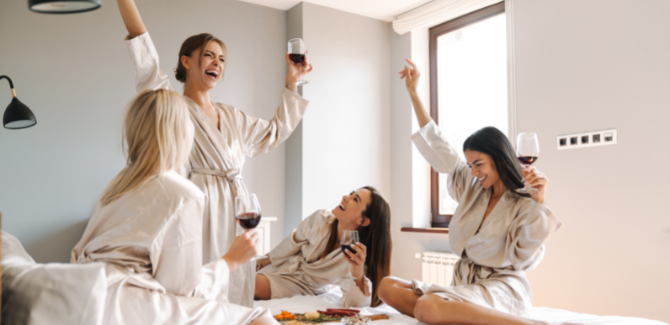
(355, 321)
(285, 315)
(312, 315)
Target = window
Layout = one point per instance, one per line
(468, 86)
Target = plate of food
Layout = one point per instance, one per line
(330, 315)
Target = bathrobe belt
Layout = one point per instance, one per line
(232, 175)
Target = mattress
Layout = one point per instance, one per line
(301, 304)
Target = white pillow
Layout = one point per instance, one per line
(52, 293)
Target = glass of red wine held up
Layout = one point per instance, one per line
(247, 211)
(349, 237)
(296, 52)
(527, 151)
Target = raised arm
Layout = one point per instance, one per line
(142, 51)
(430, 142)
(411, 76)
(131, 18)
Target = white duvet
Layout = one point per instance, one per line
(301, 304)
(74, 294)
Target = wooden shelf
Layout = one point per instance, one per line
(426, 230)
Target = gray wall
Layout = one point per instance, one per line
(74, 72)
(294, 145)
(345, 133)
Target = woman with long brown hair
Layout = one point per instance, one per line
(310, 260)
(498, 233)
(224, 135)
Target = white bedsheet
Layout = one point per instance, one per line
(301, 304)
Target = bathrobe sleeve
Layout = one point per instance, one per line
(260, 136)
(176, 251)
(292, 245)
(177, 256)
(148, 74)
(528, 234)
(352, 294)
(444, 159)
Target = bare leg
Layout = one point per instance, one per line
(264, 320)
(263, 291)
(435, 310)
(398, 294)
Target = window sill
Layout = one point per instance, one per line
(426, 230)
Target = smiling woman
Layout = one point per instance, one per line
(224, 135)
(310, 260)
(498, 233)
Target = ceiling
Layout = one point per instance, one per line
(379, 9)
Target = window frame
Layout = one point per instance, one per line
(437, 219)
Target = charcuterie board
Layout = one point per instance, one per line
(319, 317)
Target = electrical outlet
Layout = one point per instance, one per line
(586, 139)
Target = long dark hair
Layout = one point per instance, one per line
(494, 143)
(376, 237)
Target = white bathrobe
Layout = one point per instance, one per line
(297, 267)
(215, 163)
(511, 240)
(151, 241)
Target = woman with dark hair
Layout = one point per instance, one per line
(498, 233)
(224, 135)
(310, 260)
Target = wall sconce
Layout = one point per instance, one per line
(17, 115)
(63, 6)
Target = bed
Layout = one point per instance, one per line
(68, 294)
(301, 304)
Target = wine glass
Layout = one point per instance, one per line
(247, 211)
(527, 151)
(296, 52)
(349, 237)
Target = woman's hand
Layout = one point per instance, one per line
(357, 260)
(411, 76)
(262, 262)
(295, 70)
(242, 250)
(537, 180)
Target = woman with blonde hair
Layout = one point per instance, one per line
(224, 135)
(147, 228)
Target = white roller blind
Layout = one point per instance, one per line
(437, 12)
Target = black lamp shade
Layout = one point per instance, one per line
(63, 6)
(18, 116)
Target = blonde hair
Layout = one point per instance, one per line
(158, 135)
(191, 44)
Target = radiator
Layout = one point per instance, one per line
(437, 267)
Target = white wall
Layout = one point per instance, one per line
(74, 72)
(410, 175)
(591, 65)
(346, 130)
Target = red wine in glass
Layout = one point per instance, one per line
(527, 151)
(347, 247)
(527, 160)
(297, 58)
(249, 221)
(296, 52)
